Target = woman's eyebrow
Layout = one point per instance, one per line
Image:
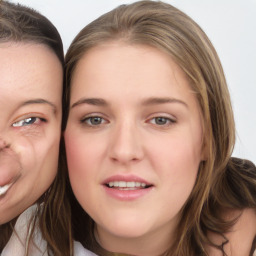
(162, 100)
(90, 101)
(39, 101)
(149, 101)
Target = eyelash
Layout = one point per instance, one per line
(29, 121)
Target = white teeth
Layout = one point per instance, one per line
(124, 184)
(3, 189)
(130, 184)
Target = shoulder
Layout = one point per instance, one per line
(241, 237)
(243, 233)
(19, 239)
(79, 250)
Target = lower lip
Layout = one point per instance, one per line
(127, 195)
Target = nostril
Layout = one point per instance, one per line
(3, 145)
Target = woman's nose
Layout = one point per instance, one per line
(126, 144)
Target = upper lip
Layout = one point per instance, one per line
(5, 188)
(10, 181)
(6, 182)
(126, 178)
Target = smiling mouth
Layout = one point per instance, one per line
(130, 185)
(4, 189)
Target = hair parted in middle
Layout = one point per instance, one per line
(164, 27)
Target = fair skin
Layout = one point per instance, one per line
(30, 118)
(133, 141)
(240, 237)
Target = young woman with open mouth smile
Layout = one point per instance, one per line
(149, 136)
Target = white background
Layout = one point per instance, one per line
(231, 26)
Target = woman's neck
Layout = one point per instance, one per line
(152, 244)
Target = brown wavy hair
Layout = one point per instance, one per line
(22, 24)
(223, 182)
